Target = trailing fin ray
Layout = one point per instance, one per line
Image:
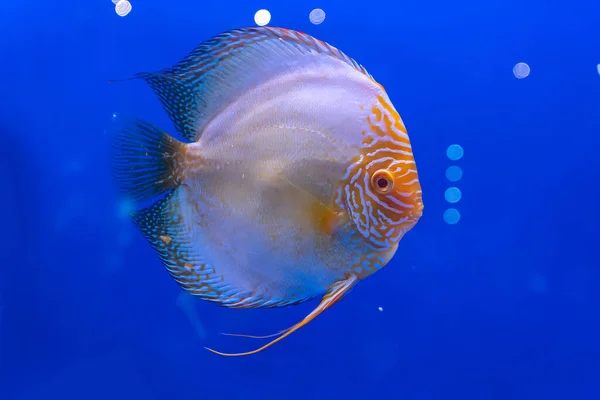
(257, 336)
(335, 293)
(201, 84)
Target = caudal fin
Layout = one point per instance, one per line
(147, 161)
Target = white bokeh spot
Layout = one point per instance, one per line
(122, 8)
(262, 17)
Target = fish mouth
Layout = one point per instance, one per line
(415, 215)
(418, 211)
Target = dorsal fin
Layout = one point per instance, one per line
(200, 85)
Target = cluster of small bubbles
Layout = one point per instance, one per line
(122, 7)
(317, 16)
(521, 70)
(453, 173)
(262, 17)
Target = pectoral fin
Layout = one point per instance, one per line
(326, 218)
(335, 293)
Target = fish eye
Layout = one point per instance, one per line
(382, 181)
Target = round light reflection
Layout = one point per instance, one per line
(455, 152)
(521, 70)
(317, 16)
(122, 8)
(452, 195)
(454, 173)
(451, 216)
(262, 17)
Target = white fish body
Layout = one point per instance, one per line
(273, 200)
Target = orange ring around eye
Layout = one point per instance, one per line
(382, 181)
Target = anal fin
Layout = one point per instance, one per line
(164, 227)
(335, 293)
(169, 227)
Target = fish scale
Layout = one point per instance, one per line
(295, 179)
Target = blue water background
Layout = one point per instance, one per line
(503, 305)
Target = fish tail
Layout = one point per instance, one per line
(146, 161)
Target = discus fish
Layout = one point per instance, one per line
(294, 176)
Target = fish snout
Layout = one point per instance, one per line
(417, 211)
